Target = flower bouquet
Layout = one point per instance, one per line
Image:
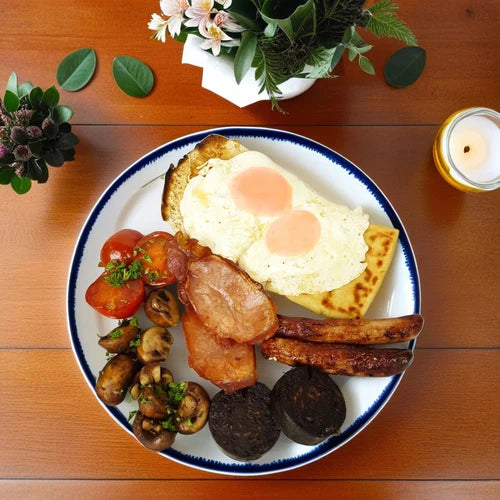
(281, 40)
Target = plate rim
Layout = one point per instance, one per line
(242, 468)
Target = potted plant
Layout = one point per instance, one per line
(271, 43)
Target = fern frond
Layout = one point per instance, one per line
(385, 22)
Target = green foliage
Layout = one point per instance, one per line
(385, 22)
(132, 76)
(245, 55)
(76, 69)
(405, 66)
(34, 131)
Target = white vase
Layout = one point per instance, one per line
(218, 77)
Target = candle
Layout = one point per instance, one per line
(467, 149)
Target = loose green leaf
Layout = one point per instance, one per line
(20, 185)
(76, 69)
(62, 114)
(24, 89)
(132, 76)
(244, 55)
(290, 16)
(50, 96)
(12, 83)
(6, 174)
(366, 65)
(10, 101)
(405, 66)
(36, 96)
(385, 22)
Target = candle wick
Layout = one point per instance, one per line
(466, 149)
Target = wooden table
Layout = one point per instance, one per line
(438, 436)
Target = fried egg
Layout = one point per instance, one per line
(283, 234)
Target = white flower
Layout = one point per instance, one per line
(199, 12)
(226, 22)
(214, 35)
(159, 25)
(173, 7)
(225, 3)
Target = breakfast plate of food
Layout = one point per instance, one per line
(243, 300)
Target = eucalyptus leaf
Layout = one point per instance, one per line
(405, 66)
(20, 185)
(24, 89)
(366, 65)
(291, 16)
(62, 114)
(10, 101)
(244, 55)
(36, 96)
(50, 96)
(6, 174)
(76, 69)
(12, 83)
(132, 76)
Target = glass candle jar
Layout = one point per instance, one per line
(466, 149)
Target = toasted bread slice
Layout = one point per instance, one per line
(353, 299)
(350, 301)
(177, 178)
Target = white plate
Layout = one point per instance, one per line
(133, 201)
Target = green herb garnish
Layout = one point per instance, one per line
(117, 333)
(135, 343)
(132, 414)
(118, 272)
(134, 322)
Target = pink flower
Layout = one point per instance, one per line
(174, 10)
(227, 22)
(199, 12)
(214, 37)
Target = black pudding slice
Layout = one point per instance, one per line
(242, 423)
(308, 405)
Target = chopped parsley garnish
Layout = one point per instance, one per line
(118, 272)
(147, 258)
(133, 322)
(132, 414)
(117, 333)
(144, 399)
(152, 276)
(168, 424)
(135, 343)
(176, 392)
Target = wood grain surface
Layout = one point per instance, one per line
(439, 435)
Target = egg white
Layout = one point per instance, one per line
(211, 216)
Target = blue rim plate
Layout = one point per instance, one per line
(133, 200)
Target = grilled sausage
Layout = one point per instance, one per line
(338, 359)
(352, 331)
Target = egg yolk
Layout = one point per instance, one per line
(294, 233)
(261, 191)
